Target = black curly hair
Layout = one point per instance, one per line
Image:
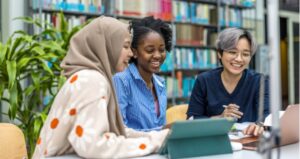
(140, 28)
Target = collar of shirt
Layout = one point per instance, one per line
(158, 81)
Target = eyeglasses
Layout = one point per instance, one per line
(235, 53)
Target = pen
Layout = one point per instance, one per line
(234, 118)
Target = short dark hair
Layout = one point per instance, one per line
(140, 28)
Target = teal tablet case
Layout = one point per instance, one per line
(199, 137)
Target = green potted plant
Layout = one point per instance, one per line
(30, 74)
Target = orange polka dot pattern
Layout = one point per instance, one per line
(74, 78)
(72, 112)
(54, 123)
(142, 146)
(79, 131)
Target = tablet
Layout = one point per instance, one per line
(198, 137)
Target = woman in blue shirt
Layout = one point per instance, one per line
(141, 93)
(231, 90)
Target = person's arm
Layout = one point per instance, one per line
(122, 93)
(90, 136)
(197, 102)
(78, 122)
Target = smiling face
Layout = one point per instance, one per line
(235, 61)
(150, 53)
(125, 56)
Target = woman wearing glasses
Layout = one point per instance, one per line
(231, 90)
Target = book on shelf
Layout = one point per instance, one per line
(245, 3)
(90, 6)
(197, 13)
(54, 20)
(140, 8)
(190, 35)
(180, 86)
(190, 58)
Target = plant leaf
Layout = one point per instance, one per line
(29, 20)
(54, 46)
(3, 51)
(16, 43)
(38, 50)
(13, 100)
(46, 67)
(23, 62)
(11, 67)
(37, 124)
(2, 86)
(35, 78)
(29, 90)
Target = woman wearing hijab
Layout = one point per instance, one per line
(84, 118)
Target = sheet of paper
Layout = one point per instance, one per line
(268, 120)
(241, 126)
(237, 129)
(236, 135)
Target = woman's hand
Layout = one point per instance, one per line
(232, 110)
(254, 129)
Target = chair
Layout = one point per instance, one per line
(176, 113)
(12, 142)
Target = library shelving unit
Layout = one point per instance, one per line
(195, 25)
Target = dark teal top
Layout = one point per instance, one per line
(209, 95)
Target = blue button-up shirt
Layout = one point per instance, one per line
(136, 101)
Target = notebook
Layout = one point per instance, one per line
(199, 137)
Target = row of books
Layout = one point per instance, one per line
(249, 18)
(55, 21)
(181, 11)
(246, 3)
(199, 13)
(194, 12)
(179, 86)
(90, 6)
(189, 58)
(231, 17)
(194, 35)
(158, 8)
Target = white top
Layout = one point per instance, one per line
(78, 124)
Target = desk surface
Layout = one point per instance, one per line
(287, 152)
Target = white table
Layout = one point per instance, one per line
(287, 152)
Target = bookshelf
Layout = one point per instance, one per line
(195, 25)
